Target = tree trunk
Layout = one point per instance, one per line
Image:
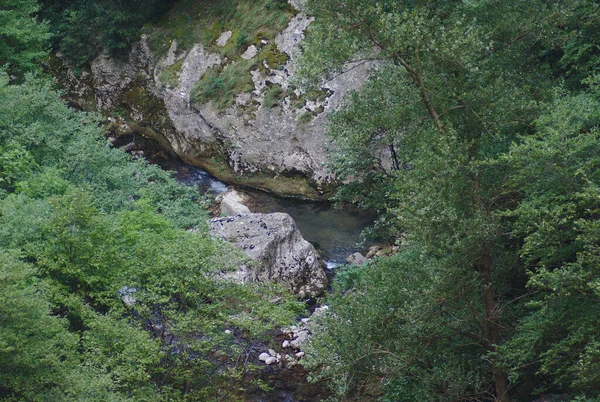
(491, 325)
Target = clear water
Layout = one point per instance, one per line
(334, 232)
(193, 176)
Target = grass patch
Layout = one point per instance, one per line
(273, 96)
(305, 118)
(221, 85)
(170, 76)
(273, 57)
(202, 21)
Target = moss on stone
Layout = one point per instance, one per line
(145, 112)
(274, 95)
(304, 118)
(169, 77)
(273, 57)
(222, 85)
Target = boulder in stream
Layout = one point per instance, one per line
(276, 245)
(356, 259)
(232, 203)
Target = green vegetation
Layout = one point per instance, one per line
(83, 29)
(191, 22)
(82, 227)
(273, 57)
(170, 75)
(22, 39)
(203, 22)
(223, 84)
(274, 95)
(109, 277)
(488, 113)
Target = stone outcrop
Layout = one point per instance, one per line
(232, 203)
(277, 250)
(256, 140)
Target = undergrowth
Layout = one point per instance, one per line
(203, 21)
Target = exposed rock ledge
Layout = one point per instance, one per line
(280, 252)
(276, 246)
(279, 148)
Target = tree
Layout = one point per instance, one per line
(82, 29)
(114, 258)
(464, 80)
(556, 170)
(23, 40)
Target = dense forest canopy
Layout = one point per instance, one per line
(109, 290)
(489, 114)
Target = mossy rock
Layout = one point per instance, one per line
(146, 113)
(169, 77)
(222, 85)
(274, 59)
(274, 95)
(293, 184)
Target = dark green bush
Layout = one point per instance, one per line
(82, 29)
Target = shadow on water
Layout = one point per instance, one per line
(335, 232)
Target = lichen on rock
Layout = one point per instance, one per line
(239, 118)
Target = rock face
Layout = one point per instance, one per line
(270, 131)
(232, 204)
(280, 252)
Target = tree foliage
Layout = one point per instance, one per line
(111, 290)
(462, 140)
(23, 41)
(83, 29)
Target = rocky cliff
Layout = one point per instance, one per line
(235, 114)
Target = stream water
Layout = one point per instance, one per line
(334, 232)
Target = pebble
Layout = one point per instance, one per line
(302, 337)
(299, 355)
(263, 357)
(285, 344)
(272, 352)
(271, 360)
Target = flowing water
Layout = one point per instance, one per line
(334, 232)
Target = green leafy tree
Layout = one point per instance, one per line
(83, 29)
(557, 221)
(119, 256)
(453, 85)
(23, 40)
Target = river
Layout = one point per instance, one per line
(334, 232)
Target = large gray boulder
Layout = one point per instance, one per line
(232, 203)
(271, 132)
(279, 251)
